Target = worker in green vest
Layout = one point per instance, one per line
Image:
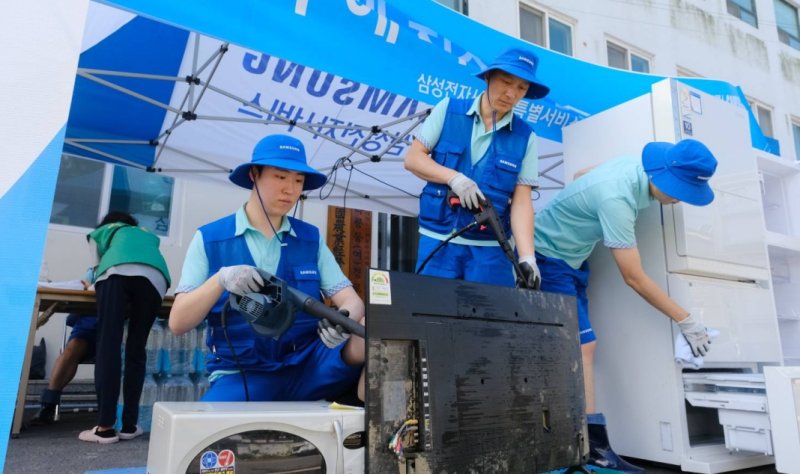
(131, 279)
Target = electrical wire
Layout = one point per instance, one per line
(269, 221)
(224, 324)
(397, 443)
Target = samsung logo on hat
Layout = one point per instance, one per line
(289, 147)
(527, 60)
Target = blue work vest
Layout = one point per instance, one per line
(297, 267)
(495, 173)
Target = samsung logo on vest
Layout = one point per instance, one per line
(508, 163)
(308, 272)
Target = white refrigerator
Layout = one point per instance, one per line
(714, 262)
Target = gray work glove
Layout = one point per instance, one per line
(531, 277)
(240, 279)
(467, 190)
(696, 335)
(332, 336)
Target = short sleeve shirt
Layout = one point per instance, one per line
(266, 254)
(601, 205)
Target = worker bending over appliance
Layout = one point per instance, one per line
(602, 206)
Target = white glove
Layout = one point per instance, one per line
(240, 279)
(467, 190)
(332, 336)
(531, 277)
(696, 335)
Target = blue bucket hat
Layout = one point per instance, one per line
(520, 63)
(278, 151)
(681, 170)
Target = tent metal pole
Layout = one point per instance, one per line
(222, 49)
(180, 170)
(134, 75)
(131, 93)
(189, 97)
(190, 93)
(550, 155)
(108, 140)
(425, 112)
(104, 154)
(554, 165)
(206, 83)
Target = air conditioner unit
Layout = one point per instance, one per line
(229, 437)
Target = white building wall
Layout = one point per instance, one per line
(696, 35)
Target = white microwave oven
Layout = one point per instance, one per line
(229, 437)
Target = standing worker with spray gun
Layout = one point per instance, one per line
(481, 151)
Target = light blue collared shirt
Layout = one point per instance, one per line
(481, 139)
(602, 205)
(266, 254)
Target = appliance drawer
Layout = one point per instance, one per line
(746, 431)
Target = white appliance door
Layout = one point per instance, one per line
(714, 239)
(730, 230)
(743, 313)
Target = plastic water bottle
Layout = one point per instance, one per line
(201, 350)
(149, 396)
(118, 423)
(177, 388)
(153, 348)
(181, 351)
(200, 387)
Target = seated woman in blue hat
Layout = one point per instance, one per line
(311, 360)
(602, 206)
(480, 151)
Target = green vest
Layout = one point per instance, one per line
(119, 243)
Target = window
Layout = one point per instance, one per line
(78, 192)
(84, 194)
(683, 72)
(788, 26)
(796, 136)
(621, 57)
(541, 28)
(460, 6)
(744, 10)
(763, 114)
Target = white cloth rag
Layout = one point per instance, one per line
(683, 353)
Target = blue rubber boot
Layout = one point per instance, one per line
(600, 452)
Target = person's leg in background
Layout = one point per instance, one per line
(145, 303)
(64, 369)
(113, 299)
(558, 277)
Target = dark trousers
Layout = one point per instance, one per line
(118, 298)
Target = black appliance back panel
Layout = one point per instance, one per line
(492, 375)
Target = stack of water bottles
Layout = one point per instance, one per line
(176, 370)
